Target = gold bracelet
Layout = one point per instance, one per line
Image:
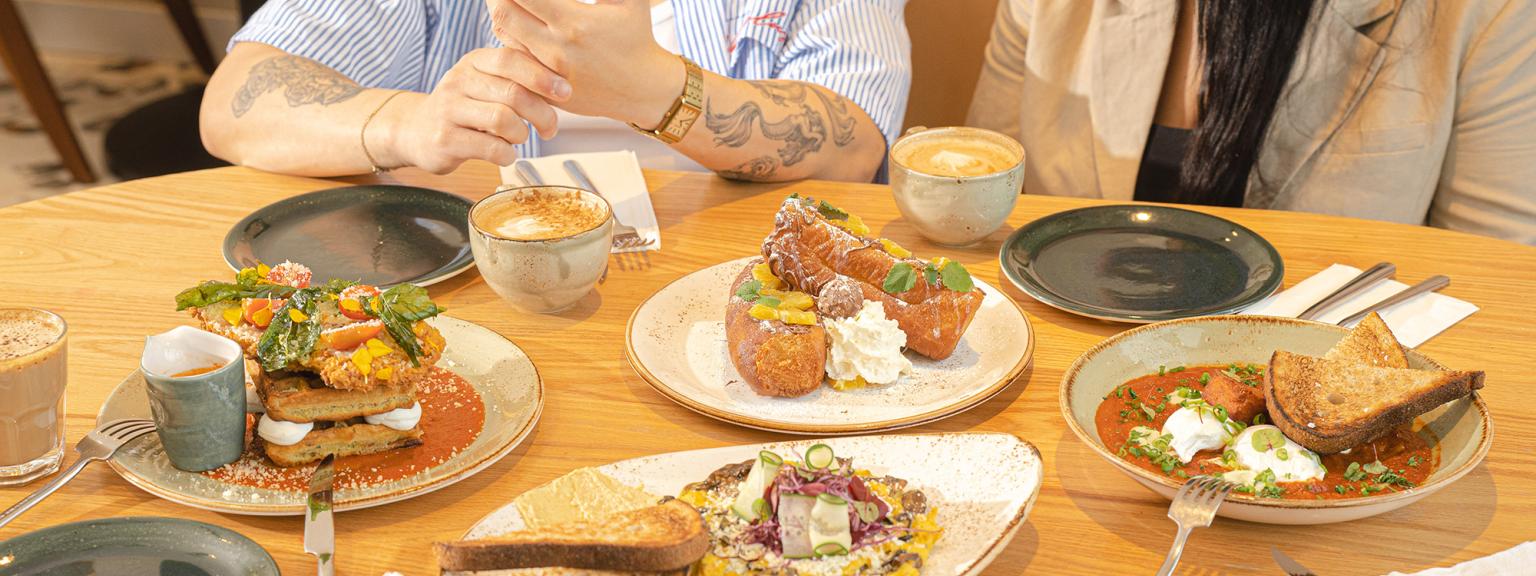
(684, 111)
(362, 135)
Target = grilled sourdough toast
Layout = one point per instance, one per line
(1370, 343)
(1330, 406)
(666, 537)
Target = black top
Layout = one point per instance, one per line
(1158, 178)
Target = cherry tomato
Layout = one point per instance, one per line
(258, 311)
(351, 335)
(350, 303)
(290, 274)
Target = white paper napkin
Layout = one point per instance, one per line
(615, 174)
(1414, 321)
(1516, 560)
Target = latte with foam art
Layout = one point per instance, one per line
(955, 156)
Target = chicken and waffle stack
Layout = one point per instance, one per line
(336, 366)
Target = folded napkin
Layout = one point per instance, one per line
(1414, 321)
(617, 177)
(1517, 560)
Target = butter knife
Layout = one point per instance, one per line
(319, 531)
(1291, 567)
(1370, 277)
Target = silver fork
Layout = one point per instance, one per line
(1193, 507)
(100, 444)
(625, 238)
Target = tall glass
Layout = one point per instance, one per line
(32, 376)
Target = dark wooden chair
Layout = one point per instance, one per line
(20, 58)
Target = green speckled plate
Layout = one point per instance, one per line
(380, 235)
(508, 384)
(135, 546)
(1141, 263)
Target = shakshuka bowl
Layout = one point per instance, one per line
(1462, 426)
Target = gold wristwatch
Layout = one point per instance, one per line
(684, 112)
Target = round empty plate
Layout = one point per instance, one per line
(379, 235)
(135, 546)
(1134, 263)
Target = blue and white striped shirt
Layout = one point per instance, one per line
(857, 48)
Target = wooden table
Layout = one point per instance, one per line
(110, 259)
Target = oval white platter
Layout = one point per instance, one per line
(983, 484)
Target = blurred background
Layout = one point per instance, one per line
(98, 91)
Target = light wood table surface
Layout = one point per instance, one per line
(110, 259)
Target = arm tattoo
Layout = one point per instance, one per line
(303, 81)
(802, 131)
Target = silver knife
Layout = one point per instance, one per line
(1291, 567)
(319, 531)
(1370, 277)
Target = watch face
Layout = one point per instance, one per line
(682, 121)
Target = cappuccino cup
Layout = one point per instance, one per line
(541, 248)
(956, 185)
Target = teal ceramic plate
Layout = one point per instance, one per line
(380, 235)
(1139, 263)
(135, 546)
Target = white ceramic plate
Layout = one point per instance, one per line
(1462, 426)
(501, 373)
(676, 342)
(983, 483)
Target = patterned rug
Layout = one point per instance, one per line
(96, 91)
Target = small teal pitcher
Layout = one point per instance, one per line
(196, 384)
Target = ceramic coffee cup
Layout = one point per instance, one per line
(541, 248)
(196, 384)
(956, 185)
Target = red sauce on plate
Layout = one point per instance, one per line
(1409, 451)
(452, 416)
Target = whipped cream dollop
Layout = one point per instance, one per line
(400, 418)
(867, 345)
(282, 433)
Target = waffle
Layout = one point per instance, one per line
(303, 397)
(352, 439)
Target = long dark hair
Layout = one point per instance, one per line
(1248, 49)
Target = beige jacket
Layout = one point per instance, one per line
(1416, 111)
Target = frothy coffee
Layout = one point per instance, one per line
(539, 214)
(32, 375)
(955, 156)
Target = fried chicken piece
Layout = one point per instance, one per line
(337, 368)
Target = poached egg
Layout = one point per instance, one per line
(1195, 429)
(1264, 447)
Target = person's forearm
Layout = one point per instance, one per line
(777, 130)
(271, 110)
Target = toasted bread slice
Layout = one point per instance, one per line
(1330, 406)
(1372, 343)
(669, 536)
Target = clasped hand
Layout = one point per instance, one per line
(592, 59)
